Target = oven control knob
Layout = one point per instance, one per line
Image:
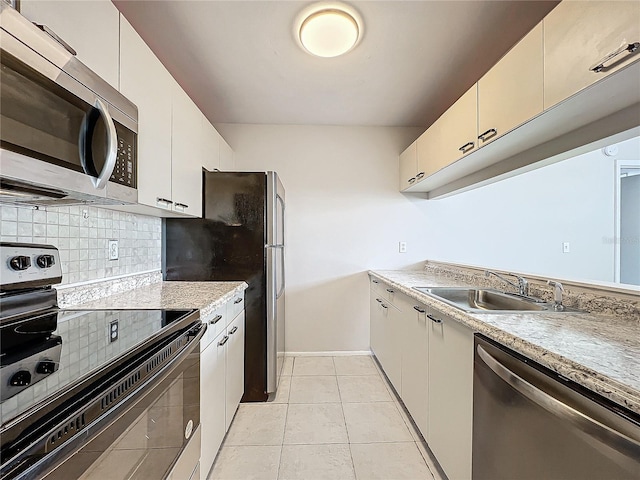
(45, 367)
(20, 262)
(45, 261)
(21, 378)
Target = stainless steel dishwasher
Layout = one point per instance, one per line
(531, 423)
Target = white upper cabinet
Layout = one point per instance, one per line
(145, 81)
(90, 28)
(409, 166)
(458, 130)
(227, 162)
(211, 146)
(580, 35)
(186, 154)
(511, 92)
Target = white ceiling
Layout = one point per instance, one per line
(240, 63)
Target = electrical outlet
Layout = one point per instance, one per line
(113, 250)
(402, 247)
(565, 247)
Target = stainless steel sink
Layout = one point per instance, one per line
(486, 300)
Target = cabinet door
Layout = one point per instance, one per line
(145, 81)
(393, 345)
(211, 146)
(90, 28)
(377, 314)
(415, 360)
(428, 146)
(511, 92)
(458, 129)
(450, 405)
(212, 402)
(227, 163)
(235, 367)
(578, 35)
(186, 154)
(408, 166)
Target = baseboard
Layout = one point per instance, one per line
(341, 353)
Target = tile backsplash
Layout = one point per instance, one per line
(82, 233)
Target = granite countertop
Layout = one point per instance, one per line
(600, 352)
(205, 296)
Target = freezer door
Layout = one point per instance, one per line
(275, 252)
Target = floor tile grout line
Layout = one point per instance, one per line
(344, 419)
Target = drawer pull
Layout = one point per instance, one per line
(237, 300)
(233, 330)
(384, 306)
(492, 132)
(434, 319)
(418, 309)
(389, 290)
(223, 341)
(629, 47)
(215, 319)
(466, 147)
(378, 300)
(420, 175)
(375, 281)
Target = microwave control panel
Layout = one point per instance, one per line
(125, 170)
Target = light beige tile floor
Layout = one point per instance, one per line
(332, 418)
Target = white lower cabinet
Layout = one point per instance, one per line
(221, 384)
(450, 400)
(234, 385)
(428, 357)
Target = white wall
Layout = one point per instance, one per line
(344, 216)
(521, 223)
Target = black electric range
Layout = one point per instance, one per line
(57, 362)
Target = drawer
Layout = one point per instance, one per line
(234, 307)
(216, 323)
(376, 284)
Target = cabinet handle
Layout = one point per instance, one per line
(418, 309)
(233, 330)
(384, 306)
(389, 290)
(412, 180)
(630, 47)
(163, 200)
(375, 281)
(467, 147)
(237, 300)
(215, 319)
(182, 205)
(420, 175)
(434, 319)
(378, 300)
(223, 341)
(492, 132)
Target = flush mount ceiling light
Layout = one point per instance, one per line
(328, 29)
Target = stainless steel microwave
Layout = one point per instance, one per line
(67, 136)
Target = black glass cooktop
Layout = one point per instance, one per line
(47, 353)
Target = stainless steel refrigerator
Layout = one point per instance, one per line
(240, 237)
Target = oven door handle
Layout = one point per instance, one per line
(43, 467)
(604, 434)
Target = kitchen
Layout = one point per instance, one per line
(324, 168)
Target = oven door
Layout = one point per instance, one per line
(151, 434)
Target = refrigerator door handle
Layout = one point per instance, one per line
(281, 289)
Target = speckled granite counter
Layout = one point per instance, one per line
(600, 352)
(205, 296)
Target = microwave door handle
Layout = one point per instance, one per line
(99, 180)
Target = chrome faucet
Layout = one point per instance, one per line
(522, 285)
(557, 295)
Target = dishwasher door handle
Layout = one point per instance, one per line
(586, 424)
